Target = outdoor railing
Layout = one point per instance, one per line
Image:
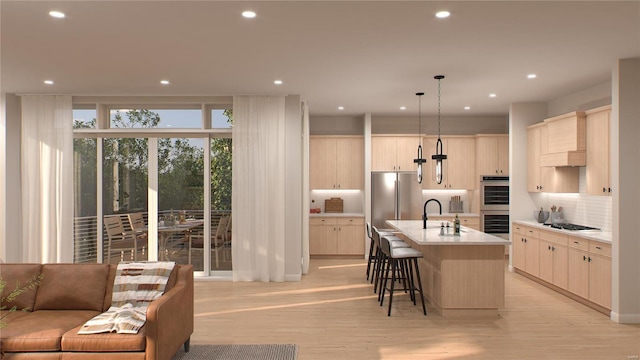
(86, 241)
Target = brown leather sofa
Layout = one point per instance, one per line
(71, 294)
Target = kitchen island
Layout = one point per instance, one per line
(461, 274)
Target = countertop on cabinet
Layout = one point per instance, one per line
(597, 235)
(431, 236)
(325, 214)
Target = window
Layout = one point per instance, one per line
(123, 169)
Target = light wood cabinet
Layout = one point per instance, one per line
(336, 162)
(546, 178)
(579, 267)
(526, 249)
(469, 221)
(394, 153)
(554, 258)
(598, 150)
(336, 236)
(460, 151)
(492, 155)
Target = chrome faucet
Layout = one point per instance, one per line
(424, 213)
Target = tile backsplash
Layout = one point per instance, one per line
(444, 196)
(352, 200)
(580, 208)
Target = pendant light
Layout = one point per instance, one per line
(439, 157)
(420, 160)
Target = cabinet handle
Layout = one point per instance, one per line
(589, 258)
(609, 189)
(338, 186)
(598, 247)
(553, 248)
(496, 171)
(549, 247)
(604, 189)
(584, 258)
(575, 242)
(500, 171)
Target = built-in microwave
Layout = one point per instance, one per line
(494, 193)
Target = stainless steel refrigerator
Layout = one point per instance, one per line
(395, 196)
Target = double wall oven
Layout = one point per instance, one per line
(494, 205)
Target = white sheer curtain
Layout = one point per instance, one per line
(258, 188)
(47, 179)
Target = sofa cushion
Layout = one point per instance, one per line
(42, 330)
(19, 273)
(72, 287)
(104, 342)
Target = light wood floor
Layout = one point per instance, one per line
(333, 314)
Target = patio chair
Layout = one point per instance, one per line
(119, 240)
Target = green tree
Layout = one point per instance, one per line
(221, 170)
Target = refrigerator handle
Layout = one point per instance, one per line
(397, 197)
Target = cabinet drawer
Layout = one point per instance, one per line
(533, 232)
(596, 247)
(517, 228)
(554, 237)
(469, 221)
(579, 243)
(322, 221)
(350, 221)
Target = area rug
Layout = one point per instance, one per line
(239, 352)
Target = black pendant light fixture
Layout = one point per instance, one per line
(420, 160)
(439, 157)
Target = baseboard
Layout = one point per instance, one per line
(625, 318)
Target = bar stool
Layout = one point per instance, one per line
(373, 248)
(380, 259)
(401, 257)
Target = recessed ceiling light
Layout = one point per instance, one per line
(277, 82)
(340, 107)
(48, 82)
(532, 76)
(248, 14)
(492, 95)
(443, 14)
(403, 108)
(56, 14)
(467, 107)
(164, 82)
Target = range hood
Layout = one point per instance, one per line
(566, 140)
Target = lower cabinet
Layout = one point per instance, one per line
(469, 221)
(576, 265)
(336, 236)
(526, 249)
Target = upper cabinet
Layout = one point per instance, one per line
(542, 178)
(598, 171)
(394, 153)
(336, 162)
(461, 156)
(566, 140)
(492, 155)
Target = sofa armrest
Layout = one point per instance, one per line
(170, 318)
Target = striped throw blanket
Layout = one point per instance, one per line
(135, 286)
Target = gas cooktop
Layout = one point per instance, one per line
(571, 227)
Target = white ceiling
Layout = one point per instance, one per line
(368, 56)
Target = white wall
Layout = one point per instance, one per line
(450, 125)
(590, 98)
(294, 211)
(625, 181)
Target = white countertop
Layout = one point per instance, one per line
(431, 236)
(597, 235)
(325, 214)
